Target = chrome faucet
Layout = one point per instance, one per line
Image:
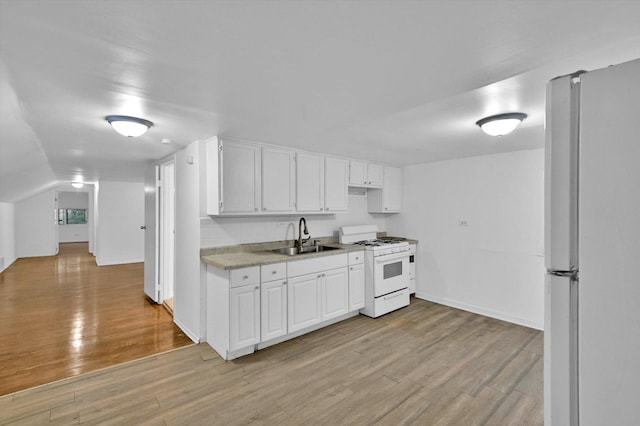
(300, 241)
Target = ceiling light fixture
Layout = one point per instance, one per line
(501, 124)
(77, 184)
(129, 126)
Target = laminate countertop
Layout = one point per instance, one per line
(255, 254)
(244, 255)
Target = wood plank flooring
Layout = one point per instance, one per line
(62, 316)
(425, 364)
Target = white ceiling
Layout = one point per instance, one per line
(395, 81)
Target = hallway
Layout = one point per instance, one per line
(62, 316)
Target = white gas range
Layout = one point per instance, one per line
(386, 264)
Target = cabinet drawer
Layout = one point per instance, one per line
(356, 257)
(391, 302)
(276, 271)
(245, 276)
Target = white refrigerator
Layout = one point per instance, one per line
(592, 248)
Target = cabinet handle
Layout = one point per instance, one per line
(264, 209)
(386, 208)
(273, 272)
(327, 209)
(351, 269)
(245, 277)
(284, 283)
(256, 209)
(257, 287)
(357, 258)
(319, 275)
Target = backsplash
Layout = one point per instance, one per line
(225, 231)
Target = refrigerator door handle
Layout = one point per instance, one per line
(570, 274)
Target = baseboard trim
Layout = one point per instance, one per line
(479, 310)
(190, 334)
(118, 262)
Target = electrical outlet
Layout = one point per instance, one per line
(463, 222)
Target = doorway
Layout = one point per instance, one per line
(73, 220)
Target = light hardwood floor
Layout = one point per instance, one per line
(424, 364)
(61, 316)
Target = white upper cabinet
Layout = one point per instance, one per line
(365, 174)
(309, 182)
(375, 175)
(277, 180)
(388, 199)
(233, 177)
(336, 175)
(357, 173)
(247, 178)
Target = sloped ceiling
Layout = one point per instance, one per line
(395, 81)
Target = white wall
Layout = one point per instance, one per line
(73, 200)
(221, 231)
(36, 226)
(119, 238)
(75, 232)
(7, 235)
(494, 265)
(190, 292)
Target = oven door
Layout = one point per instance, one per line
(390, 273)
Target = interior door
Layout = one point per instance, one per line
(166, 250)
(152, 222)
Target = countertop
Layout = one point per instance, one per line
(244, 255)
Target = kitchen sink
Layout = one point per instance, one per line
(293, 251)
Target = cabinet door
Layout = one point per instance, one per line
(273, 310)
(336, 173)
(277, 180)
(375, 175)
(335, 293)
(244, 310)
(303, 301)
(357, 172)
(392, 189)
(239, 177)
(356, 287)
(309, 182)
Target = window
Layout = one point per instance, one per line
(72, 216)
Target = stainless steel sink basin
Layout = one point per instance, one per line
(293, 251)
(289, 251)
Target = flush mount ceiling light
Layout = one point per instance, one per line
(129, 126)
(501, 124)
(77, 184)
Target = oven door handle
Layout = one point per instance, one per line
(390, 257)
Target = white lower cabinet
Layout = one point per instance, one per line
(244, 324)
(245, 312)
(273, 312)
(356, 287)
(334, 290)
(314, 298)
(233, 310)
(303, 301)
